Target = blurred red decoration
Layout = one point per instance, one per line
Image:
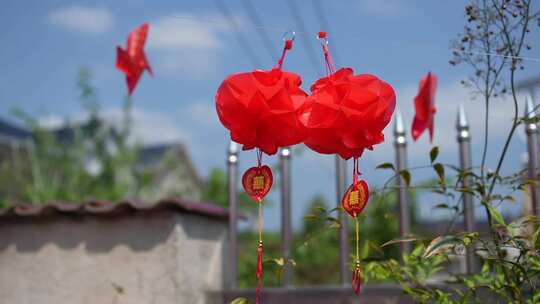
(132, 61)
(424, 104)
(347, 113)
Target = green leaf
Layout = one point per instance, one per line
(334, 225)
(439, 168)
(386, 166)
(240, 301)
(311, 217)
(320, 209)
(333, 219)
(406, 176)
(433, 154)
(441, 206)
(496, 215)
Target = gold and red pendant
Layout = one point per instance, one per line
(353, 202)
(355, 199)
(257, 182)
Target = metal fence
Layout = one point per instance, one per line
(400, 145)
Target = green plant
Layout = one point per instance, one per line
(55, 165)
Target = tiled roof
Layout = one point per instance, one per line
(103, 208)
(13, 131)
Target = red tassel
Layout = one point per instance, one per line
(356, 281)
(259, 272)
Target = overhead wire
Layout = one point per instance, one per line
(308, 47)
(252, 14)
(317, 7)
(244, 44)
(307, 35)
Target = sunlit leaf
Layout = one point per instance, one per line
(496, 215)
(441, 244)
(240, 301)
(311, 217)
(320, 209)
(400, 240)
(334, 225)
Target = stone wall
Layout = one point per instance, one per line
(141, 257)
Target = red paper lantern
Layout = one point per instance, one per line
(261, 108)
(347, 113)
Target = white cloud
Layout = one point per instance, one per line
(384, 8)
(83, 19)
(184, 32)
(189, 44)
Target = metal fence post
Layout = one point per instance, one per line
(341, 180)
(286, 229)
(232, 191)
(531, 129)
(400, 144)
(465, 162)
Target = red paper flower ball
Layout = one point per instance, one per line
(261, 109)
(347, 113)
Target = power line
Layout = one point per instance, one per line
(252, 13)
(317, 6)
(298, 20)
(244, 44)
(307, 35)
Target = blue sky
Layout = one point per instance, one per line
(192, 48)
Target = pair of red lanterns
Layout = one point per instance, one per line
(344, 114)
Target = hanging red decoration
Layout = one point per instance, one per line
(132, 61)
(261, 110)
(424, 105)
(345, 114)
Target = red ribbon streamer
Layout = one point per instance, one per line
(356, 281)
(259, 272)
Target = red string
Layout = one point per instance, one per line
(259, 158)
(286, 47)
(329, 62)
(356, 170)
(259, 272)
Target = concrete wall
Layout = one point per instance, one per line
(142, 257)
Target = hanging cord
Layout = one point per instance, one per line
(287, 46)
(259, 267)
(259, 272)
(356, 280)
(356, 170)
(259, 157)
(328, 61)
